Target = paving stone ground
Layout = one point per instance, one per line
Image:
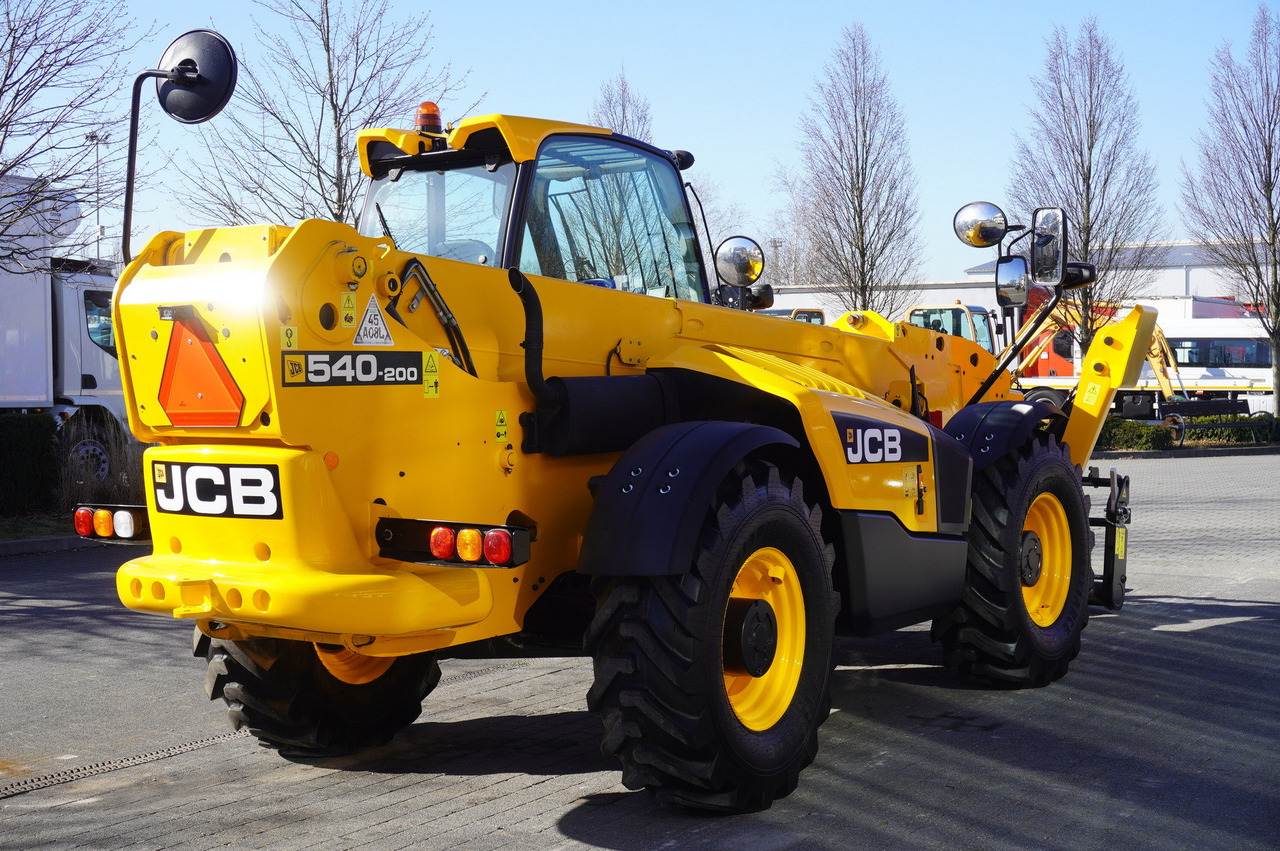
(1166, 733)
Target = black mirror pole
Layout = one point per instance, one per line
(132, 159)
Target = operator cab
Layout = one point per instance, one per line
(557, 200)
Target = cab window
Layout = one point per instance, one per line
(612, 215)
(455, 210)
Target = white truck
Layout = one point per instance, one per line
(58, 355)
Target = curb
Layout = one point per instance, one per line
(1186, 452)
(32, 546)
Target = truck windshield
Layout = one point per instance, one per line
(457, 212)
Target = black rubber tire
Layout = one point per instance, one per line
(991, 636)
(280, 692)
(659, 672)
(1057, 398)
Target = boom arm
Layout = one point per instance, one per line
(1113, 361)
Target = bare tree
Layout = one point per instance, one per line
(1082, 154)
(622, 110)
(1233, 202)
(286, 150)
(58, 77)
(857, 189)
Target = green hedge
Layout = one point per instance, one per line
(28, 463)
(1119, 433)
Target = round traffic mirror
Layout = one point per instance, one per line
(980, 224)
(202, 71)
(739, 261)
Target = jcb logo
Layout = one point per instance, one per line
(872, 445)
(873, 441)
(218, 490)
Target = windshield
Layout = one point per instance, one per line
(607, 213)
(458, 212)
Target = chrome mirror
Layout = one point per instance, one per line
(739, 261)
(1048, 246)
(980, 224)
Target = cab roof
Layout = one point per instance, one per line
(518, 135)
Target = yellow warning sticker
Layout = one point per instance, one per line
(295, 369)
(288, 336)
(1091, 393)
(1121, 534)
(158, 472)
(500, 426)
(431, 376)
(348, 310)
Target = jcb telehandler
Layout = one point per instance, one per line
(515, 381)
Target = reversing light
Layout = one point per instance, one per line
(497, 546)
(442, 542)
(102, 523)
(82, 520)
(428, 118)
(125, 523)
(470, 544)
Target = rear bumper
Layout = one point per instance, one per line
(390, 602)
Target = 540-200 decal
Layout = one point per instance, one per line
(345, 369)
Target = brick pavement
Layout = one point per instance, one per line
(1166, 734)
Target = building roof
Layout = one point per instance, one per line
(1174, 255)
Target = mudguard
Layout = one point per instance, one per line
(646, 516)
(990, 429)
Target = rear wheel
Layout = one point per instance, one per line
(315, 699)
(712, 683)
(1026, 596)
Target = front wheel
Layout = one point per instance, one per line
(1027, 583)
(314, 699)
(712, 683)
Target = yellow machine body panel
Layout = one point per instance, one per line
(341, 400)
(301, 393)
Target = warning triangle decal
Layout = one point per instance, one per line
(373, 330)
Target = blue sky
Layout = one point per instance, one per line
(729, 81)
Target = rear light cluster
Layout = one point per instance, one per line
(433, 542)
(111, 522)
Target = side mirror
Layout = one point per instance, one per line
(758, 297)
(980, 224)
(739, 261)
(196, 77)
(1048, 246)
(1012, 281)
(1079, 275)
(202, 76)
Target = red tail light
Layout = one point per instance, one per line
(497, 546)
(82, 520)
(442, 542)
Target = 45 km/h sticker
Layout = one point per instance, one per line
(347, 369)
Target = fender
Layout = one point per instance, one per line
(989, 430)
(642, 524)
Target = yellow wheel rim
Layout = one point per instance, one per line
(352, 667)
(1046, 560)
(760, 701)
